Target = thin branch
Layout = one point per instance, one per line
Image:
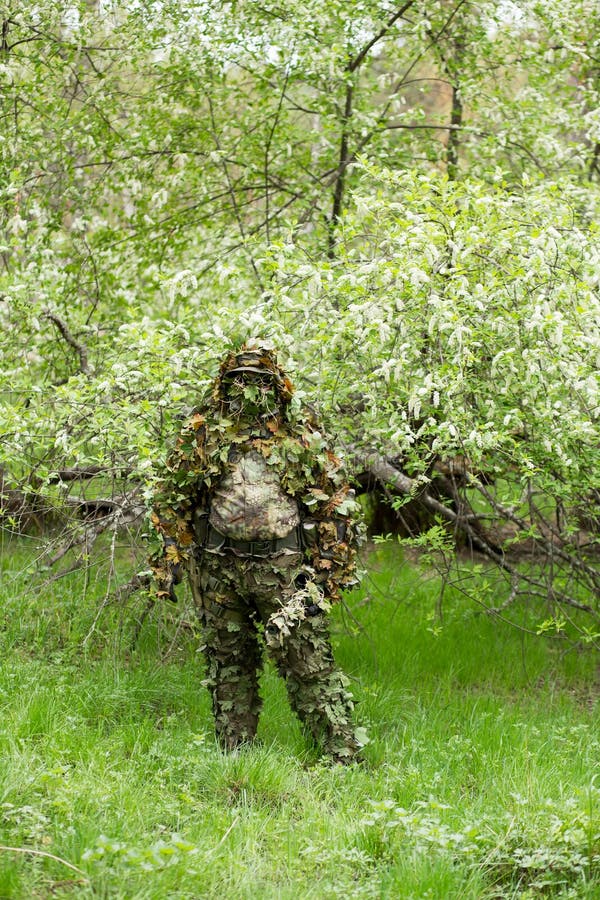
(403, 78)
(456, 115)
(71, 340)
(524, 525)
(232, 195)
(136, 583)
(386, 473)
(514, 593)
(268, 151)
(116, 517)
(340, 182)
(593, 168)
(82, 474)
(359, 59)
(415, 127)
(345, 156)
(4, 46)
(456, 106)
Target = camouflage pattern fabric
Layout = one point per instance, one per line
(246, 604)
(249, 503)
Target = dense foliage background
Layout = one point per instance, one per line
(404, 197)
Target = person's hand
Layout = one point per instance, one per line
(165, 590)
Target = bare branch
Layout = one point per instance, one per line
(347, 157)
(268, 151)
(81, 474)
(340, 182)
(360, 57)
(141, 581)
(389, 475)
(71, 340)
(232, 193)
(551, 546)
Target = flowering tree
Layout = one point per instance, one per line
(402, 195)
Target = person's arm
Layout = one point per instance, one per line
(331, 517)
(177, 494)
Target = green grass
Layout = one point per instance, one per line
(482, 778)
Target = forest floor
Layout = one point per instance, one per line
(481, 778)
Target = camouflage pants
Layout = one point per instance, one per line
(244, 604)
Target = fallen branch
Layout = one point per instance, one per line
(391, 477)
(114, 516)
(552, 545)
(80, 474)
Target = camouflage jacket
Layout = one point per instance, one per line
(308, 471)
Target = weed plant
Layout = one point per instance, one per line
(481, 780)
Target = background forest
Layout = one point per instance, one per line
(405, 199)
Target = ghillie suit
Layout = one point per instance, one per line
(257, 509)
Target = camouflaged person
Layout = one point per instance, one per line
(256, 508)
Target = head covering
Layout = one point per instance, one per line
(254, 357)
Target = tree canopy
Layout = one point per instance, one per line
(403, 196)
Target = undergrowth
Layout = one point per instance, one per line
(481, 780)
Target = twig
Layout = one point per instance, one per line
(549, 545)
(345, 156)
(150, 604)
(225, 836)
(268, 150)
(31, 852)
(230, 185)
(514, 592)
(359, 58)
(136, 583)
(386, 473)
(71, 340)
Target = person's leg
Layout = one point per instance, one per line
(233, 654)
(297, 639)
